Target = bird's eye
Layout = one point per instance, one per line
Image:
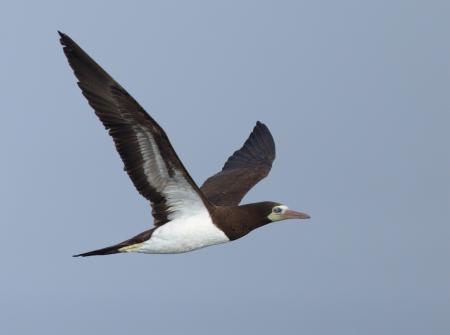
(277, 210)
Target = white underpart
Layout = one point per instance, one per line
(190, 226)
(184, 234)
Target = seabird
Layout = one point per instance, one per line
(186, 217)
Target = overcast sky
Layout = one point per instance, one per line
(357, 96)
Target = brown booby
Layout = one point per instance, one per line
(186, 217)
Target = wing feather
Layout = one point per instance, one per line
(243, 170)
(149, 158)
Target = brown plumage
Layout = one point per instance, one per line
(246, 167)
(159, 175)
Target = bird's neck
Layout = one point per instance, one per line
(240, 220)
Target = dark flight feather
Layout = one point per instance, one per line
(243, 170)
(149, 158)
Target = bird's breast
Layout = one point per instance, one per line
(184, 234)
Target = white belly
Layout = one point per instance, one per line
(184, 234)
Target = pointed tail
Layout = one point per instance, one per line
(104, 251)
(125, 246)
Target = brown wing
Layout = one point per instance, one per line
(243, 169)
(149, 158)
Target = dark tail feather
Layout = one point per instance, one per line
(114, 249)
(104, 251)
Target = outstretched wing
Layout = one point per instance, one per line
(243, 169)
(149, 158)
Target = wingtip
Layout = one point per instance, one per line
(62, 36)
(65, 40)
(261, 127)
(260, 124)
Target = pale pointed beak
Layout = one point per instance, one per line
(289, 214)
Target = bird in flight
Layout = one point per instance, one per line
(186, 217)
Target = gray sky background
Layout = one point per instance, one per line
(356, 94)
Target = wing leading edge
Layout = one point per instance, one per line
(149, 158)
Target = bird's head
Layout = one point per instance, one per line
(245, 218)
(279, 212)
(266, 212)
